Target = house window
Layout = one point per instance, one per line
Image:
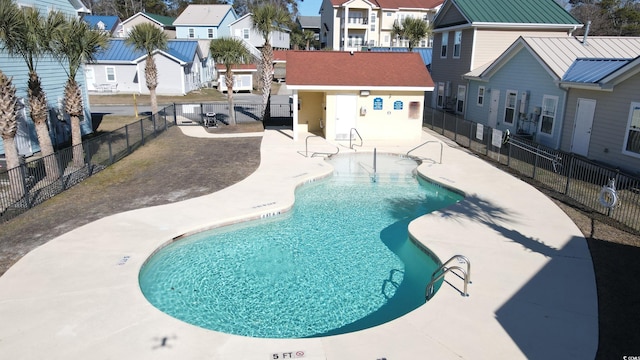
(462, 94)
(386, 39)
(510, 107)
(192, 33)
(373, 22)
(481, 95)
(245, 34)
(440, 94)
(210, 33)
(548, 115)
(443, 47)
(111, 73)
(457, 43)
(632, 140)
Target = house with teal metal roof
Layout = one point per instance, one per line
(121, 68)
(162, 22)
(53, 78)
(469, 34)
(528, 89)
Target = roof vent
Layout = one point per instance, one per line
(586, 33)
(351, 52)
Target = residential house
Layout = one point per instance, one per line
(242, 77)
(310, 23)
(520, 90)
(162, 22)
(352, 24)
(243, 28)
(53, 78)
(200, 21)
(121, 68)
(110, 25)
(353, 95)
(471, 33)
(602, 118)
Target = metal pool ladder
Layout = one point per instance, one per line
(443, 270)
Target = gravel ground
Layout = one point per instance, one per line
(174, 167)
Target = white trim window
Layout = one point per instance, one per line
(443, 45)
(632, 134)
(548, 114)
(457, 44)
(480, 101)
(245, 33)
(440, 101)
(192, 33)
(462, 94)
(110, 73)
(211, 33)
(373, 22)
(510, 102)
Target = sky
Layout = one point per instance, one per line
(309, 7)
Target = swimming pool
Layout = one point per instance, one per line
(340, 261)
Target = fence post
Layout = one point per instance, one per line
(175, 115)
(455, 127)
(535, 163)
(126, 138)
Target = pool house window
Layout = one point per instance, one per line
(440, 94)
(510, 107)
(548, 115)
(632, 136)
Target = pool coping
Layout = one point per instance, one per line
(532, 295)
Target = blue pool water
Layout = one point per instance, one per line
(340, 261)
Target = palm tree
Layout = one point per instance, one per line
(230, 52)
(31, 41)
(411, 29)
(268, 17)
(76, 43)
(8, 129)
(149, 38)
(308, 36)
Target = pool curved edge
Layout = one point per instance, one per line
(78, 297)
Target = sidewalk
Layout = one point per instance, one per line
(533, 293)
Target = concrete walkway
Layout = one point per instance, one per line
(533, 293)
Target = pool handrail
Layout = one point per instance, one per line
(306, 148)
(425, 143)
(351, 137)
(442, 270)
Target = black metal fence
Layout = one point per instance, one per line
(586, 182)
(39, 179)
(195, 114)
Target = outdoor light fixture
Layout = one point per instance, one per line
(364, 92)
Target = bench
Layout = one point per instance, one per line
(106, 88)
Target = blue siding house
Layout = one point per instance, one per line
(520, 91)
(199, 21)
(53, 78)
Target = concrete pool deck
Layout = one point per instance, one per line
(533, 292)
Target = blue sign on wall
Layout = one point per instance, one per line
(377, 103)
(397, 105)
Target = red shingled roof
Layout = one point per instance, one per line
(362, 68)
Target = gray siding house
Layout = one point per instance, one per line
(469, 34)
(602, 120)
(53, 79)
(243, 28)
(520, 90)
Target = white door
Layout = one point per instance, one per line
(493, 109)
(345, 115)
(582, 126)
(90, 78)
